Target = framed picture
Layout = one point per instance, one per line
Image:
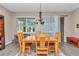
(77, 26)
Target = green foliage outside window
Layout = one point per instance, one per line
(30, 23)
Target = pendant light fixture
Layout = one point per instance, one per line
(40, 16)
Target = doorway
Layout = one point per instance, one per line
(62, 29)
(2, 34)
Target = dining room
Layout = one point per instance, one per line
(39, 37)
(38, 30)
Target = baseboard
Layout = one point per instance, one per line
(8, 42)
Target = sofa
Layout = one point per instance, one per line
(73, 40)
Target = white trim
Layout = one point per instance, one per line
(8, 42)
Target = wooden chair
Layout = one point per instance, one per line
(20, 39)
(42, 45)
(56, 38)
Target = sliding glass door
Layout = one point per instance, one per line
(51, 24)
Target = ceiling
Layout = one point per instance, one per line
(45, 7)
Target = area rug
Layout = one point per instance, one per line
(33, 53)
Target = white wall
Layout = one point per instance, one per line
(7, 21)
(67, 26)
(75, 20)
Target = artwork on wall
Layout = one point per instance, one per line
(77, 26)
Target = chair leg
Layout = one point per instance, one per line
(56, 49)
(29, 50)
(23, 49)
(20, 51)
(49, 51)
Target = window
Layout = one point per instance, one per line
(26, 24)
(21, 24)
(30, 24)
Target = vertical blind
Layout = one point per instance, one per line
(51, 24)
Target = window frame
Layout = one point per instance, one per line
(26, 18)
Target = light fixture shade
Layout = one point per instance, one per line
(37, 18)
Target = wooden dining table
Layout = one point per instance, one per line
(34, 40)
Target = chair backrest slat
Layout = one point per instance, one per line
(43, 41)
(57, 36)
